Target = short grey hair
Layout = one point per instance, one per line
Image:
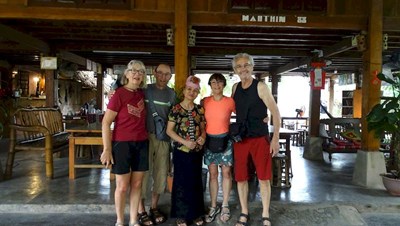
(129, 67)
(242, 55)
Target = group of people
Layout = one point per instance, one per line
(199, 132)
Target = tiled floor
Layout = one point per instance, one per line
(319, 190)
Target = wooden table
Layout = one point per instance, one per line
(83, 135)
(298, 120)
(284, 134)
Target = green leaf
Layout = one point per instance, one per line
(383, 77)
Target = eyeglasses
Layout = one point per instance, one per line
(160, 73)
(247, 66)
(140, 71)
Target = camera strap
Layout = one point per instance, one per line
(151, 103)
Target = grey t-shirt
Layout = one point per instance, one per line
(163, 99)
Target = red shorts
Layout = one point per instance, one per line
(258, 149)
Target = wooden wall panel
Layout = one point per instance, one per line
(165, 5)
(359, 7)
(160, 5)
(145, 4)
(199, 6)
(13, 2)
(350, 7)
(207, 5)
(391, 8)
(220, 7)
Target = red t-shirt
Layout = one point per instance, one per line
(130, 122)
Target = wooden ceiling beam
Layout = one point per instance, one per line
(72, 57)
(342, 46)
(24, 39)
(250, 50)
(292, 66)
(165, 17)
(50, 13)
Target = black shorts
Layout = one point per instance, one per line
(130, 156)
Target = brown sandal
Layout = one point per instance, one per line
(157, 216)
(245, 216)
(144, 219)
(266, 221)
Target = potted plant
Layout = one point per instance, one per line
(385, 118)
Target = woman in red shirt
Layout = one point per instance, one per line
(126, 147)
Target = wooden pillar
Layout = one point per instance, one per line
(372, 61)
(370, 162)
(99, 93)
(315, 101)
(51, 88)
(313, 145)
(181, 43)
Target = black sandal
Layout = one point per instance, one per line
(158, 217)
(144, 219)
(181, 222)
(244, 216)
(266, 219)
(199, 221)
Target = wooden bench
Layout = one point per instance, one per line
(334, 142)
(36, 129)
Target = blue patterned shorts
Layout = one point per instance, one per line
(223, 158)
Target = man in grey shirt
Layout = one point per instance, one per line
(163, 98)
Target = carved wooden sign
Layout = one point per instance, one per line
(273, 18)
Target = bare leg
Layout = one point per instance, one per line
(226, 189)
(154, 200)
(122, 182)
(265, 190)
(135, 195)
(141, 207)
(213, 184)
(243, 191)
(226, 184)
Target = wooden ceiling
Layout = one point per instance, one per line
(109, 43)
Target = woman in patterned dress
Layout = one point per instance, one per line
(186, 127)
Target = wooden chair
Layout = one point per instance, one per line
(36, 129)
(280, 169)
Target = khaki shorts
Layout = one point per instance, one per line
(155, 179)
